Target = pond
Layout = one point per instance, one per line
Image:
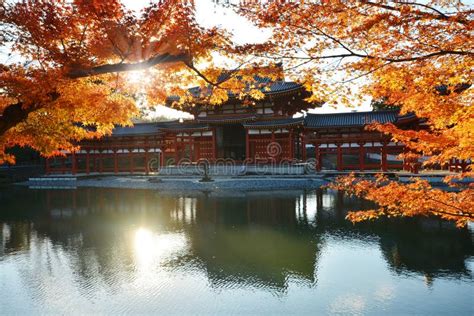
(281, 252)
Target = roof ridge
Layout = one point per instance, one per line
(357, 112)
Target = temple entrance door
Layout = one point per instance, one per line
(230, 142)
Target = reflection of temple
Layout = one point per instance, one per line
(253, 239)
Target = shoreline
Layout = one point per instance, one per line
(183, 184)
(193, 183)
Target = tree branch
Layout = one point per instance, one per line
(123, 67)
(13, 115)
(437, 16)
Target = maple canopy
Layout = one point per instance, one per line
(417, 56)
(414, 55)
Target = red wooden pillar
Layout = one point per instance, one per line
(197, 148)
(73, 163)
(384, 157)
(339, 158)
(176, 149)
(87, 162)
(361, 157)
(214, 145)
(273, 141)
(162, 157)
(130, 158)
(247, 144)
(115, 161)
(192, 147)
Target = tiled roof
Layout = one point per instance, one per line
(176, 126)
(266, 85)
(350, 119)
(285, 122)
(156, 128)
(136, 129)
(227, 118)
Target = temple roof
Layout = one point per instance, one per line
(350, 119)
(275, 123)
(265, 85)
(136, 129)
(254, 121)
(186, 126)
(228, 118)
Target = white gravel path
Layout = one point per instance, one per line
(193, 184)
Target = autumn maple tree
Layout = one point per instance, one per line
(69, 82)
(66, 78)
(415, 55)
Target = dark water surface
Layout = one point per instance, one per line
(284, 252)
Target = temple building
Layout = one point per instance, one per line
(270, 130)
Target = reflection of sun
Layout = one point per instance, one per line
(143, 244)
(150, 248)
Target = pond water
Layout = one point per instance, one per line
(283, 252)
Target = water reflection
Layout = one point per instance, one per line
(96, 243)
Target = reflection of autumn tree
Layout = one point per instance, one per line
(432, 251)
(430, 247)
(416, 56)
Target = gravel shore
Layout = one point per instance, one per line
(193, 184)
